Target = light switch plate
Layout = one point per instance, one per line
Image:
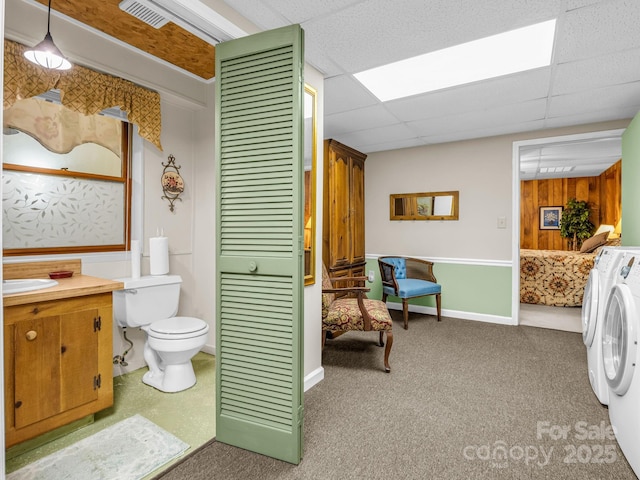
(372, 275)
(502, 222)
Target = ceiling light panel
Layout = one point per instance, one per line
(503, 54)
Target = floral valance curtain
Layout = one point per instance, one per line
(82, 90)
(60, 129)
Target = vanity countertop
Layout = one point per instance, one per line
(75, 286)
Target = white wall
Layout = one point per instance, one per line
(313, 370)
(480, 169)
(204, 226)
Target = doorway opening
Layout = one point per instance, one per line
(568, 156)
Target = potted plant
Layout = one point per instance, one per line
(575, 224)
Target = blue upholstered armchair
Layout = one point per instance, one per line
(408, 278)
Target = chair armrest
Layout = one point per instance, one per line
(346, 290)
(420, 269)
(353, 279)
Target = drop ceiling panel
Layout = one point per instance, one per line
(373, 145)
(588, 150)
(604, 115)
(505, 115)
(486, 131)
(355, 120)
(510, 89)
(599, 29)
(393, 133)
(617, 96)
(258, 12)
(386, 32)
(345, 93)
(299, 12)
(573, 4)
(612, 69)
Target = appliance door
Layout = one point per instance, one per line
(590, 301)
(619, 339)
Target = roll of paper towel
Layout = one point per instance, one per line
(135, 259)
(159, 255)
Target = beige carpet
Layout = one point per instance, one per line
(464, 400)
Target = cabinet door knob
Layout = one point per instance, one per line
(31, 335)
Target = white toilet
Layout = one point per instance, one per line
(150, 303)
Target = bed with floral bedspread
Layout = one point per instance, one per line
(554, 277)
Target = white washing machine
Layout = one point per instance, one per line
(620, 360)
(602, 277)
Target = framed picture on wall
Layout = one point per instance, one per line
(550, 218)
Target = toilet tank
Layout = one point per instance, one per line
(146, 299)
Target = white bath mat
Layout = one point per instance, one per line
(128, 450)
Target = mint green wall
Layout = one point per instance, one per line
(630, 178)
(467, 288)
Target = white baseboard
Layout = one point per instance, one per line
(313, 378)
(480, 317)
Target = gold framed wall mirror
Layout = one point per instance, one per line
(310, 154)
(424, 206)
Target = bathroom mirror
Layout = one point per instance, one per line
(310, 152)
(424, 206)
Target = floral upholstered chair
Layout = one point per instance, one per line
(354, 311)
(408, 278)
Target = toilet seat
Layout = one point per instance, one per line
(177, 327)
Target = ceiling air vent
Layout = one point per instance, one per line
(143, 13)
(194, 17)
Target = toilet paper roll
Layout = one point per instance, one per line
(135, 259)
(159, 255)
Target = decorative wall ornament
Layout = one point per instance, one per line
(172, 183)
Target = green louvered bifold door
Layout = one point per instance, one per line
(259, 138)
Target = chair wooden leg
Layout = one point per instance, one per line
(381, 341)
(324, 337)
(384, 297)
(387, 350)
(405, 313)
(438, 305)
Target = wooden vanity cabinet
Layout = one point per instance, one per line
(58, 363)
(343, 221)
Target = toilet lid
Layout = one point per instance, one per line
(178, 326)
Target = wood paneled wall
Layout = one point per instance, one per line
(603, 193)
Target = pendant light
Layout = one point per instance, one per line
(46, 54)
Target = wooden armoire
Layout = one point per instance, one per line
(343, 218)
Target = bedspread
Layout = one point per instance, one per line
(554, 277)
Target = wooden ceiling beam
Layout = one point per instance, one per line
(171, 43)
